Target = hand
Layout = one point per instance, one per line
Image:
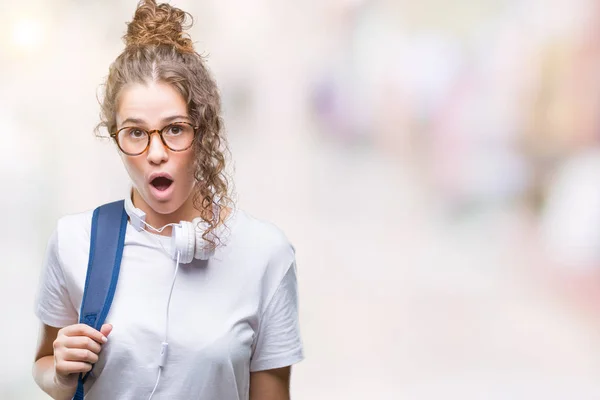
(76, 348)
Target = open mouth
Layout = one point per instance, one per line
(161, 183)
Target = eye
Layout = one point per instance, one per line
(175, 130)
(136, 133)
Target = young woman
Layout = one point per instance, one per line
(230, 314)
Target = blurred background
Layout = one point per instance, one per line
(436, 164)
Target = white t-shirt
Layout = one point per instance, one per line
(231, 315)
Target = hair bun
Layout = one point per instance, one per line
(156, 24)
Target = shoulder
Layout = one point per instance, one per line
(262, 250)
(72, 234)
(75, 224)
(76, 220)
(264, 236)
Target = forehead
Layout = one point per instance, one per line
(150, 102)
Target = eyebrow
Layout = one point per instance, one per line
(164, 120)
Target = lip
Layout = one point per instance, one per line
(155, 175)
(159, 195)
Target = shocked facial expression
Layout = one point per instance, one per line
(163, 178)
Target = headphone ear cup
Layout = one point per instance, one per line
(203, 249)
(183, 241)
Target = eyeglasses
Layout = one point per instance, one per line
(133, 141)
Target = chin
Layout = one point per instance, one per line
(165, 207)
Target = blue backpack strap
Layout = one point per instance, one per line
(109, 224)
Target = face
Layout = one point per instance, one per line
(153, 106)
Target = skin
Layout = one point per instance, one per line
(153, 106)
(63, 353)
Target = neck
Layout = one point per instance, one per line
(186, 212)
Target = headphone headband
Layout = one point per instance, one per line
(186, 236)
(137, 216)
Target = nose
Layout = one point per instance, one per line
(157, 152)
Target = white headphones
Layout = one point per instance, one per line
(186, 238)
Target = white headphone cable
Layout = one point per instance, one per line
(173, 224)
(165, 344)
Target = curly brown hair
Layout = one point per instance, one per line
(158, 49)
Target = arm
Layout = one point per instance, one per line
(273, 384)
(277, 344)
(62, 354)
(43, 368)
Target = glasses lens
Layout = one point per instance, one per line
(133, 140)
(178, 136)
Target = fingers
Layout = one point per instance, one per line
(76, 348)
(83, 330)
(65, 368)
(106, 329)
(81, 342)
(82, 355)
